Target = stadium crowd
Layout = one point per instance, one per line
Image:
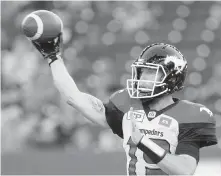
(101, 40)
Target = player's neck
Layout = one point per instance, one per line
(161, 103)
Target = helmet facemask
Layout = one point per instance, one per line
(147, 88)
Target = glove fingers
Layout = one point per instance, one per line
(49, 48)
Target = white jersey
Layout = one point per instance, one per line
(163, 130)
(167, 128)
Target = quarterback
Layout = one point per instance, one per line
(157, 140)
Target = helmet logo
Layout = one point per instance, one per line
(179, 64)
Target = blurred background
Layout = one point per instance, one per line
(41, 134)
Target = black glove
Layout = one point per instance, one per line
(50, 49)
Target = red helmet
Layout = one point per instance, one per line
(164, 58)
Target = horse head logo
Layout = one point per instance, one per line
(179, 64)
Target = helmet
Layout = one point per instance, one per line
(163, 58)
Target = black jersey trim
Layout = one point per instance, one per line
(114, 118)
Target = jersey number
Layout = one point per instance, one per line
(132, 150)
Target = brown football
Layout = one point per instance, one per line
(42, 25)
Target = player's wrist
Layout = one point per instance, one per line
(51, 59)
(154, 151)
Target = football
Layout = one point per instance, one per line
(42, 25)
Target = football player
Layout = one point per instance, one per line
(157, 140)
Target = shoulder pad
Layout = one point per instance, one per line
(121, 100)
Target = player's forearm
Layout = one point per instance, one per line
(91, 107)
(171, 164)
(63, 81)
(175, 164)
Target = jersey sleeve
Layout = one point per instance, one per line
(114, 118)
(198, 134)
(202, 131)
(203, 134)
(114, 113)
